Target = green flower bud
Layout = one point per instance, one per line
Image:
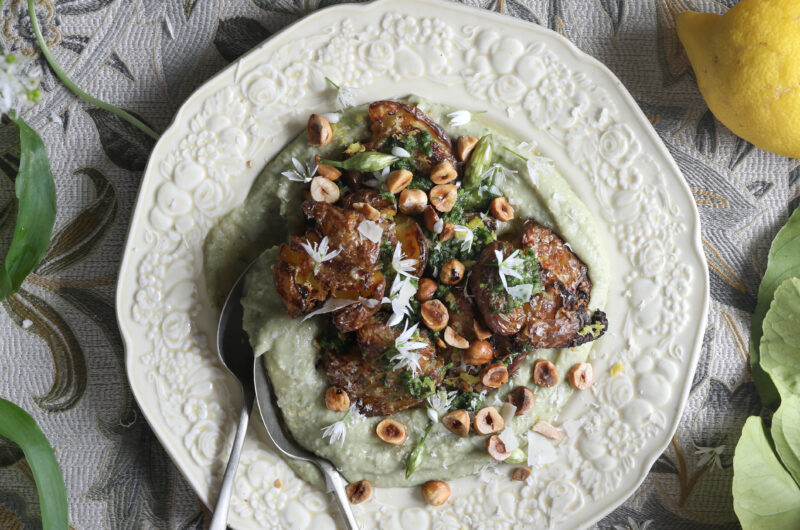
(478, 163)
(366, 161)
(415, 458)
(518, 456)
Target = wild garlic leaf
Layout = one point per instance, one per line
(764, 494)
(786, 433)
(780, 344)
(783, 262)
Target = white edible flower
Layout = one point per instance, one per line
(302, 173)
(521, 292)
(378, 178)
(16, 87)
(400, 264)
(400, 152)
(710, 455)
(407, 356)
(459, 118)
(400, 295)
(319, 252)
(370, 230)
(509, 266)
(438, 226)
(346, 97)
(336, 431)
(439, 404)
(331, 305)
(465, 235)
(498, 172)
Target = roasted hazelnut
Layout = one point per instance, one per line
(544, 373)
(501, 210)
(324, 190)
(495, 375)
(329, 172)
(454, 339)
(452, 272)
(358, 492)
(520, 474)
(391, 431)
(398, 180)
(580, 376)
(443, 172)
(481, 331)
(496, 448)
(464, 147)
(479, 352)
(440, 343)
(448, 231)
(426, 290)
(336, 399)
(546, 430)
(457, 422)
(412, 202)
(443, 197)
(318, 130)
(431, 218)
(434, 315)
(435, 492)
(487, 421)
(523, 398)
(367, 210)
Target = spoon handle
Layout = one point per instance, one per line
(335, 484)
(220, 519)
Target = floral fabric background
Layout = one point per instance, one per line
(61, 354)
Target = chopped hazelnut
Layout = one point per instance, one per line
(501, 210)
(523, 398)
(426, 290)
(434, 315)
(448, 231)
(318, 130)
(324, 190)
(487, 421)
(479, 352)
(544, 373)
(464, 147)
(440, 343)
(277, 483)
(430, 217)
(546, 430)
(367, 210)
(495, 375)
(443, 172)
(358, 492)
(329, 172)
(452, 272)
(398, 180)
(496, 448)
(435, 492)
(412, 202)
(454, 339)
(520, 474)
(457, 422)
(481, 331)
(391, 431)
(336, 399)
(580, 376)
(443, 197)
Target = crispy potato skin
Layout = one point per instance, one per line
(557, 261)
(362, 372)
(482, 284)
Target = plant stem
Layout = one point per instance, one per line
(77, 90)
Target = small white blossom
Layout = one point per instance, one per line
(400, 295)
(336, 431)
(407, 356)
(346, 97)
(510, 266)
(465, 235)
(400, 264)
(302, 173)
(319, 251)
(438, 226)
(378, 178)
(459, 118)
(439, 404)
(15, 87)
(370, 230)
(332, 117)
(331, 305)
(400, 152)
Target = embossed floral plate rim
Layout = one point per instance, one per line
(155, 211)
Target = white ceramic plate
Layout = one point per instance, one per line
(533, 83)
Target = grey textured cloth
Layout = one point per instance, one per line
(61, 352)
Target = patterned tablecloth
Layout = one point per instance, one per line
(61, 355)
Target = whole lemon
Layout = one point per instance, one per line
(747, 64)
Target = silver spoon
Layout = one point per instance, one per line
(236, 354)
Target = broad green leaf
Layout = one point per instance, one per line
(36, 195)
(783, 262)
(19, 427)
(764, 494)
(786, 433)
(780, 344)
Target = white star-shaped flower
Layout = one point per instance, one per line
(439, 404)
(302, 173)
(400, 152)
(400, 263)
(459, 118)
(400, 295)
(319, 252)
(407, 356)
(509, 266)
(465, 235)
(498, 172)
(336, 431)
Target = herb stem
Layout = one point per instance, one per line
(516, 154)
(75, 88)
(329, 80)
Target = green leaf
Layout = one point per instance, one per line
(19, 427)
(764, 494)
(786, 433)
(780, 344)
(123, 143)
(36, 195)
(783, 262)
